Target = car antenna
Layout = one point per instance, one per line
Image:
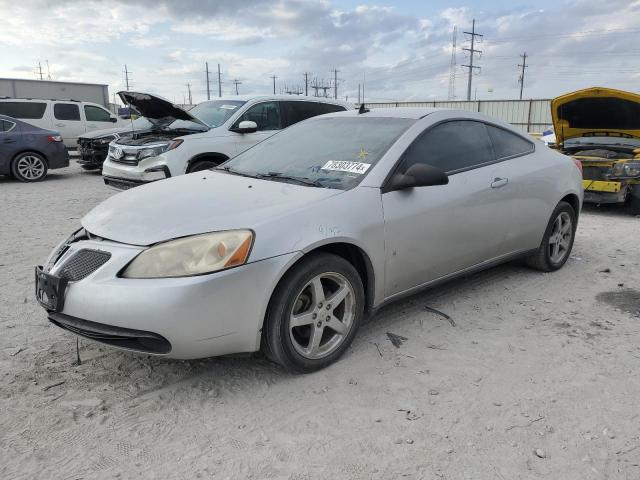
(363, 109)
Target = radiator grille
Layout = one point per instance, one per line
(82, 264)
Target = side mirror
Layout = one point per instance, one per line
(417, 175)
(246, 126)
(113, 119)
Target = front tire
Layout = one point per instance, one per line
(202, 165)
(557, 241)
(29, 167)
(314, 313)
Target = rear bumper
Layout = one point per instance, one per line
(601, 186)
(58, 158)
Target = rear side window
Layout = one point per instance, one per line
(295, 112)
(507, 144)
(451, 146)
(26, 110)
(6, 126)
(96, 114)
(66, 111)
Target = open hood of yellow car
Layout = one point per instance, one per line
(596, 112)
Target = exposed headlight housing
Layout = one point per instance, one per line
(626, 169)
(105, 140)
(194, 255)
(155, 150)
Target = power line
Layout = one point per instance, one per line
(472, 51)
(523, 65)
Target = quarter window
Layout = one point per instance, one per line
(26, 110)
(451, 146)
(507, 144)
(265, 114)
(6, 126)
(66, 111)
(96, 114)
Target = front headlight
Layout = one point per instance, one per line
(105, 140)
(626, 169)
(155, 150)
(195, 255)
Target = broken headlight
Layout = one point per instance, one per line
(194, 255)
(155, 150)
(626, 169)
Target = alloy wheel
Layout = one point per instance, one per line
(322, 315)
(560, 238)
(31, 167)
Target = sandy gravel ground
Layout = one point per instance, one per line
(537, 379)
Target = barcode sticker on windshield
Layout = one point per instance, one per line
(344, 166)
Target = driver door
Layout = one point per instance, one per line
(267, 117)
(435, 231)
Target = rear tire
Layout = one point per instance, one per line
(557, 242)
(202, 165)
(314, 313)
(29, 167)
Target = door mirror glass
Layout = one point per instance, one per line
(417, 175)
(246, 126)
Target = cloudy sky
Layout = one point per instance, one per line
(402, 48)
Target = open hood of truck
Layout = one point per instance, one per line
(159, 111)
(596, 112)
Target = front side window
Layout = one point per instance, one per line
(451, 146)
(25, 110)
(330, 152)
(265, 114)
(216, 112)
(66, 111)
(508, 144)
(96, 114)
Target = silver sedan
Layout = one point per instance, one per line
(286, 247)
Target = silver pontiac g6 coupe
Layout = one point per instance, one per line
(287, 246)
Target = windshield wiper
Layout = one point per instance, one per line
(301, 180)
(235, 172)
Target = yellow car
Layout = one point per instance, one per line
(600, 127)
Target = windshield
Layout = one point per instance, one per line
(217, 112)
(334, 152)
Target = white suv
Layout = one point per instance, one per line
(71, 118)
(205, 136)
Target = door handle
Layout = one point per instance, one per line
(499, 182)
(8, 140)
(60, 124)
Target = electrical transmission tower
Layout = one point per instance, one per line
(523, 65)
(472, 52)
(126, 76)
(452, 67)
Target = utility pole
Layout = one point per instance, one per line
(472, 51)
(452, 66)
(40, 70)
(48, 70)
(208, 82)
(359, 95)
(364, 79)
(335, 83)
(189, 90)
(306, 83)
(237, 82)
(273, 77)
(219, 83)
(126, 76)
(523, 65)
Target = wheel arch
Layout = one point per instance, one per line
(30, 150)
(573, 200)
(212, 156)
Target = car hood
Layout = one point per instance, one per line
(596, 112)
(105, 132)
(159, 111)
(197, 203)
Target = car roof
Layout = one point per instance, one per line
(247, 98)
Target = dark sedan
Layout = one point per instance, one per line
(28, 152)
